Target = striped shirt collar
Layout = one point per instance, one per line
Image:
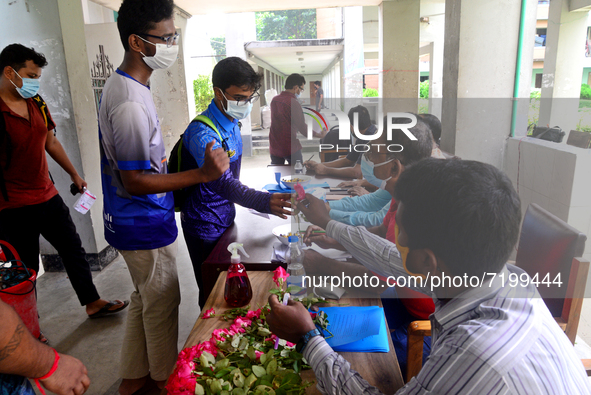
(459, 309)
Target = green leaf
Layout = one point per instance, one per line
(258, 370)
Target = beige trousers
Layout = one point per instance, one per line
(150, 342)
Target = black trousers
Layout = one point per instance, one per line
(278, 160)
(199, 250)
(22, 226)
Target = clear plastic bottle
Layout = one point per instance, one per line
(295, 267)
(298, 167)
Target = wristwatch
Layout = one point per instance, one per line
(306, 338)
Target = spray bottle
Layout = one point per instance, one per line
(238, 291)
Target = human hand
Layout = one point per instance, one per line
(216, 162)
(309, 232)
(350, 184)
(358, 191)
(70, 378)
(278, 202)
(321, 239)
(320, 169)
(327, 206)
(79, 182)
(310, 165)
(289, 322)
(314, 210)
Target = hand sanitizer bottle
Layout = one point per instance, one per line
(238, 291)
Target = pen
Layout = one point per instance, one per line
(285, 300)
(310, 158)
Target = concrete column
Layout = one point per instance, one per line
(83, 150)
(479, 76)
(563, 66)
(353, 55)
(240, 29)
(434, 32)
(399, 52)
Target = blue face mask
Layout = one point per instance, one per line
(237, 111)
(30, 87)
(367, 168)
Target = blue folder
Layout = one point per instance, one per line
(366, 320)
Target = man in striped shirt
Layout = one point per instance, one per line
(461, 220)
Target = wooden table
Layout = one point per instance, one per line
(379, 369)
(254, 231)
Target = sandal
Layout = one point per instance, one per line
(104, 311)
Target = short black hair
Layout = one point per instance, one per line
(413, 150)
(140, 16)
(318, 83)
(235, 71)
(364, 118)
(466, 212)
(434, 124)
(16, 56)
(294, 80)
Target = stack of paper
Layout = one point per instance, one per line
(357, 329)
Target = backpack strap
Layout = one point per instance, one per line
(43, 108)
(208, 122)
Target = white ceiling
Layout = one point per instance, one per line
(198, 7)
(282, 55)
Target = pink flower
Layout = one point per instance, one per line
(279, 276)
(208, 314)
(242, 322)
(258, 354)
(300, 191)
(253, 314)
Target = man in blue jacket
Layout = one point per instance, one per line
(209, 210)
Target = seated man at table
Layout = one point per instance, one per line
(209, 210)
(458, 219)
(349, 166)
(401, 304)
(371, 209)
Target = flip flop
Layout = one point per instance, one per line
(43, 339)
(104, 311)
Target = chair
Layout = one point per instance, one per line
(547, 247)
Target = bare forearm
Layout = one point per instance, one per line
(57, 152)
(339, 163)
(138, 183)
(20, 353)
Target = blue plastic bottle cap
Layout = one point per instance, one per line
(292, 239)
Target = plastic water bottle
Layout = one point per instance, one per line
(295, 267)
(298, 167)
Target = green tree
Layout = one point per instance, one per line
(218, 44)
(424, 90)
(286, 25)
(203, 92)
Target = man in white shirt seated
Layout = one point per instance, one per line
(457, 220)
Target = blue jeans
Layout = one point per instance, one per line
(398, 319)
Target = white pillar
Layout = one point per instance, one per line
(399, 52)
(479, 76)
(563, 66)
(353, 56)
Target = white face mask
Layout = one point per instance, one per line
(163, 58)
(368, 167)
(235, 110)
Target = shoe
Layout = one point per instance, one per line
(104, 311)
